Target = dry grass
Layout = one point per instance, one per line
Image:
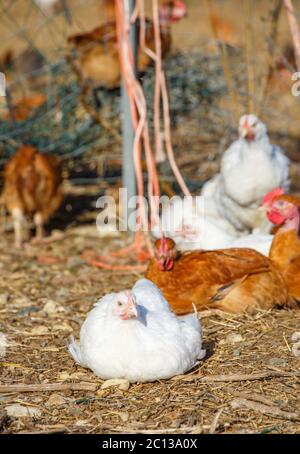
(251, 386)
(259, 391)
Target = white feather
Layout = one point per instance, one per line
(156, 345)
(205, 232)
(249, 169)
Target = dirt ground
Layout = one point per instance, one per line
(22, 24)
(249, 380)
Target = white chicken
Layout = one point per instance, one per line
(250, 168)
(3, 345)
(134, 335)
(185, 221)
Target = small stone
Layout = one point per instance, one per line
(64, 376)
(64, 326)
(75, 411)
(120, 383)
(232, 338)
(276, 362)
(50, 307)
(124, 416)
(3, 345)
(55, 399)
(236, 353)
(78, 376)
(295, 336)
(39, 330)
(296, 349)
(4, 298)
(20, 411)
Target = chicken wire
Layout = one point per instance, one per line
(62, 125)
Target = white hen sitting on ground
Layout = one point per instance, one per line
(134, 335)
(250, 168)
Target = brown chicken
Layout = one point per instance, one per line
(233, 280)
(280, 72)
(284, 210)
(23, 108)
(224, 30)
(98, 52)
(32, 187)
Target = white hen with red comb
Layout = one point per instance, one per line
(134, 335)
(250, 168)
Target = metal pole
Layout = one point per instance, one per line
(128, 171)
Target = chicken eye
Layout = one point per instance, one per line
(119, 303)
(254, 124)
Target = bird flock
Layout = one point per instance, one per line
(235, 248)
(240, 252)
(236, 265)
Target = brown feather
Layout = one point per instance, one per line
(285, 254)
(32, 183)
(250, 279)
(98, 52)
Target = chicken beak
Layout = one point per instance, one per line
(131, 309)
(245, 132)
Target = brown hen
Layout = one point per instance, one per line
(32, 187)
(23, 108)
(283, 210)
(98, 52)
(233, 280)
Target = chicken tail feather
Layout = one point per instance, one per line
(74, 349)
(223, 291)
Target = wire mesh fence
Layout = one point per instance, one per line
(47, 105)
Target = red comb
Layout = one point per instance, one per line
(270, 196)
(180, 4)
(246, 123)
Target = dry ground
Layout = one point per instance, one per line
(249, 381)
(42, 303)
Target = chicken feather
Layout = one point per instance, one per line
(32, 187)
(235, 280)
